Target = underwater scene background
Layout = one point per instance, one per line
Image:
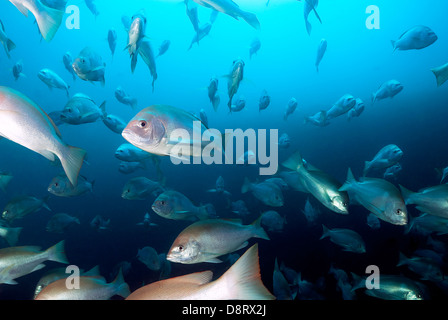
(358, 60)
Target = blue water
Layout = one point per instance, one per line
(358, 61)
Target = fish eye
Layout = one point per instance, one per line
(142, 124)
(162, 202)
(399, 212)
(180, 248)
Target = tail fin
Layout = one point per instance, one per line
(309, 27)
(393, 45)
(251, 19)
(244, 278)
(72, 160)
(407, 195)
(12, 235)
(295, 162)
(103, 109)
(366, 168)
(134, 57)
(121, 287)
(402, 260)
(325, 232)
(349, 181)
(258, 230)
(57, 253)
(246, 185)
(440, 74)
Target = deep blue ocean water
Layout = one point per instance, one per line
(358, 61)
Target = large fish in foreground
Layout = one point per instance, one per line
(48, 19)
(39, 135)
(241, 282)
(232, 9)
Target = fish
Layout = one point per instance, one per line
(10, 235)
(130, 153)
(284, 141)
(114, 123)
(48, 19)
(281, 287)
(61, 186)
(92, 7)
(22, 206)
(53, 80)
(67, 59)
(293, 180)
(135, 35)
(431, 200)
(357, 110)
(310, 5)
(149, 257)
(234, 79)
(239, 105)
(267, 192)
(213, 93)
(90, 288)
(59, 222)
(202, 32)
(273, 221)
(17, 71)
(321, 52)
(427, 268)
(203, 117)
(124, 98)
(151, 130)
(310, 212)
(388, 89)
(239, 207)
(388, 156)
(428, 223)
(290, 108)
(206, 240)
(130, 167)
(232, 9)
(140, 188)
(444, 174)
(265, 101)
(55, 4)
(5, 179)
(416, 38)
(89, 66)
(164, 48)
(319, 119)
(348, 239)
(373, 221)
(176, 206)
(241, 282)
(147, 54)
(20, 261)
(81, 109)
(147, 222)
(100, 223)
(391, 172)
(192, 13)
(40, 135)
(378, 196)
(341, 107)
(254, 47)
(112, 40)
(7, 43)
(441, 74)
(220, 187)
(325, 188)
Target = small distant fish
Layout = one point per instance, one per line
(357, 110)
(239, 105)
(20, 207)
(441, 74)
(176, 206)
(219, 187)
(389, 89)
(427, 268)
(17, 71)
(417, 37)
(378, 196)
(239, 207)
(284, 141)
(290, 108)
(5, 179)
(81, 109)
(206, 240)
(320, 53)
(385, 158)
(130, 153)
(130, 167)
(254, 47)
(99, 223)
(140, 188)
(149, 257)
(268, 193)
(40, 135)
(92, 7)
(373, 221)
(241, 282)
(11, 235)
(232, 9)
(112, 40)
(342, 106)
(59, 222)
(20, 261)
(8, 44)
(247, 158)
(202, 32)
(265, 101)
(60, 186)
(53, 80)
(147, 222)
(213, 93)
(136, 34)
(124, 98)
(310, 212)
(431, 200)
(67, 59)
(319, 119)
(203, 117)
(48, 19)
(234, 80)
(346, 238)
(392, 171)
(89, 66)
(164, 48)
(281, 288)
(273, 221)
(114, 123)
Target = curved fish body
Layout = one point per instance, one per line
(114, 123)
(416, 38)
(385, 158)
(432, 200)
(40, 135)
(147, 54)
(213, 93)
(290, 108)
(60, 186)
(342, 106)
(53, 80)
(136, 34)
(112, 40)
(389, 89)
(67, 59)
(81, 109)
(89, 66)
(321, 52)
(234, 80)
(346, 238)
